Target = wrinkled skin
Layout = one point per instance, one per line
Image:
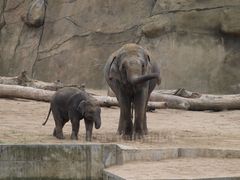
(132, 76)
(74, 104)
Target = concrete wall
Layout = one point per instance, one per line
(85, 161)
(55, 161)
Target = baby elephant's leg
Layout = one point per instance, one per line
(89, 127)
(75, 128)
(57, 132)
(75, 118)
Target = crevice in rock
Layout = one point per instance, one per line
(61, 18)
(152, 7)
(47, 57)
(59, 44)
(15, 50)
(3, 10)
(39, 43)
(15, 7)
(72, 21)
(195, 9)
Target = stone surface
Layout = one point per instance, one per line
(87, 161)
(36, 14)
(195, 42)
(181, 168)
(55, 161)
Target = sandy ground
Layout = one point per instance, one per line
(182, 168)
(21, 122)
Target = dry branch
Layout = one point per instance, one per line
(175, 99)
(205, 102)
(16, 91)
(187, 100)
(24, 80)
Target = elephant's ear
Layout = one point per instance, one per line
(114, 70)
(148, 61)
(81, 107)
(146, 55)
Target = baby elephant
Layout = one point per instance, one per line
(74, 104)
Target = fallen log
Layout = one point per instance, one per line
(205, 102)
(24, 80)
(157, 100)
(106, 101)
(16, 91)
(187, 100)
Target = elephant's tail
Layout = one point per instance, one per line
(47, 116)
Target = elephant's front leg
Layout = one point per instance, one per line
(125, 126)
(88, 127)
(140, 124)
(75, 128)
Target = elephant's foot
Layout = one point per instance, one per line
(58, 135)
(88, 138)
(74, 136)
(145, 131)
(125, 129)
(138, 135)
(127, 137)
(88, 135)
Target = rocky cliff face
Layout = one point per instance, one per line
(196, 42)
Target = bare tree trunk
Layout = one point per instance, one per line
(16, 91)
(24, 80)
(205, 102)
(158, 100)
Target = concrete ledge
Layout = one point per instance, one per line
(55, 161)
(82, 161)
(180, 168)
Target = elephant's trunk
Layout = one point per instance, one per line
(97, 124)
(143, 78)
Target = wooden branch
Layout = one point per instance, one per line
(173, 102)
(24, 80)
(106, 101)
(176, 99)
(16, 91)
(205, 102)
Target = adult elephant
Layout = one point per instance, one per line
(132, 76)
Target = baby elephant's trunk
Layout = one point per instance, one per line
(98, 123)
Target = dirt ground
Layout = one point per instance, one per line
(21, 122)
(181, 168)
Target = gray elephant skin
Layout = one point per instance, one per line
(132, 76)
(73, 104)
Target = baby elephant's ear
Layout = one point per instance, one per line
(81, 107)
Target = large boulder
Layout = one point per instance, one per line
(195, 42)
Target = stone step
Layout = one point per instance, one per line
(180, 168)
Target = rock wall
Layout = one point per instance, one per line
(196, 42)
